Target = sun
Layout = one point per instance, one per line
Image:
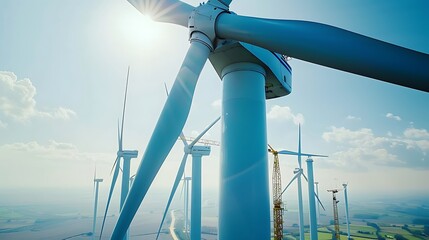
(138, 28)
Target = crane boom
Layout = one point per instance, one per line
(335, 207)
(277, 197)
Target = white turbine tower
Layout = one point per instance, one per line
(126, 155)
(197, 152)
(186, 181)
(97, 181)
(246, 54)
(347, 210)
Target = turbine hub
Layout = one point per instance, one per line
(203, 19)
(297, 170)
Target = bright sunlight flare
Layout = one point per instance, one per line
(138, 28)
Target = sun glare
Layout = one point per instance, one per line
(138, 28)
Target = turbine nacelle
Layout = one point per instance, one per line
(130, 153)
(98, 180)
(200, 150)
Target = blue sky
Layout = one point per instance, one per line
(64, 65)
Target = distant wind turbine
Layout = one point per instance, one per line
(197, 152)
(97, 181)
(126, 155)
(311, 192)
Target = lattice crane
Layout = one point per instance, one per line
(335, 206)
(277, 197)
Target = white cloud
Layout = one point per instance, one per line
(17, 100)
(361, 148)
(362, 137)
(50, 164)
(350, 117)
(285, 113)
(53, 150)
(416, 133)
(395, 117)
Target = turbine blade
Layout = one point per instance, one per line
(312, 155)
(123, 109)
(166, 89)
(299, 138)
(287, 152)
(204, 132)
(183, 186)
(119, 138)
(182, 136)
(331, 47)
(168, 11)
(293, 179)
(272, 149)
(173, 190)
(320, 202)
(303, 174)
(95, 176)
(165, 134)
(115, 165)
(112, 186)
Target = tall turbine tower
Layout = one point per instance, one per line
(97, 181)
(312, 200)
(126, 155)
(246, 54)
(186, 208)
(277, 197)
(347, 210)
(197, 152)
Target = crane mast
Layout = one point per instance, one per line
(277, 197)
(335, 207)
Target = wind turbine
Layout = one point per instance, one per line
(243, 51)
(311, 193)
(126, 155)
(347, 210)
(97, 181)
(197, 152)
